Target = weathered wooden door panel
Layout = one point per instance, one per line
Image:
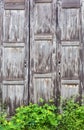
(43, 56)
(15, 56)
(42, 49)
(70, 28)
(70, 65)
(70, 43)
(13, 26)
(43, 87)
(13, 62)
(12, 95)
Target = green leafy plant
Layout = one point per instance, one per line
(45, 116)
(3, 121)
(34, 117)
(72, 116)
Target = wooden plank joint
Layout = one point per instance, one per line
(43, 1)
(70, 3)
(15, 4)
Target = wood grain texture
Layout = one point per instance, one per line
(68, 51)
(70, 65)
(14, 4)
(43, 20)
(1, 21)
(13, 63)
(14, 1)
(43, 1)
(13, 26)
(70, 24)
(82, 49)
(70, 3)
(13, 97)
(68, 91)
(82, 18)
(43, 57)
(42, 49)
(15, 56)
(27, 54)
(43, 88)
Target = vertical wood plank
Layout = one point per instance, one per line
(27, 54)
(58, 53)
(82, 49)
(1, 22)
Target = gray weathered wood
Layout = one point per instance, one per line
(14, 4)
(82, 49)
(42, 49)
(15, 54)
(68, 51)
(69, 24)
(14, 1)
(70, 3)
(43, 1)
(1, 21)
(13, 26)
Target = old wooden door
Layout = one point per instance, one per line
(51, 36)
(69, 47)
(14, 52)
(42, 49)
